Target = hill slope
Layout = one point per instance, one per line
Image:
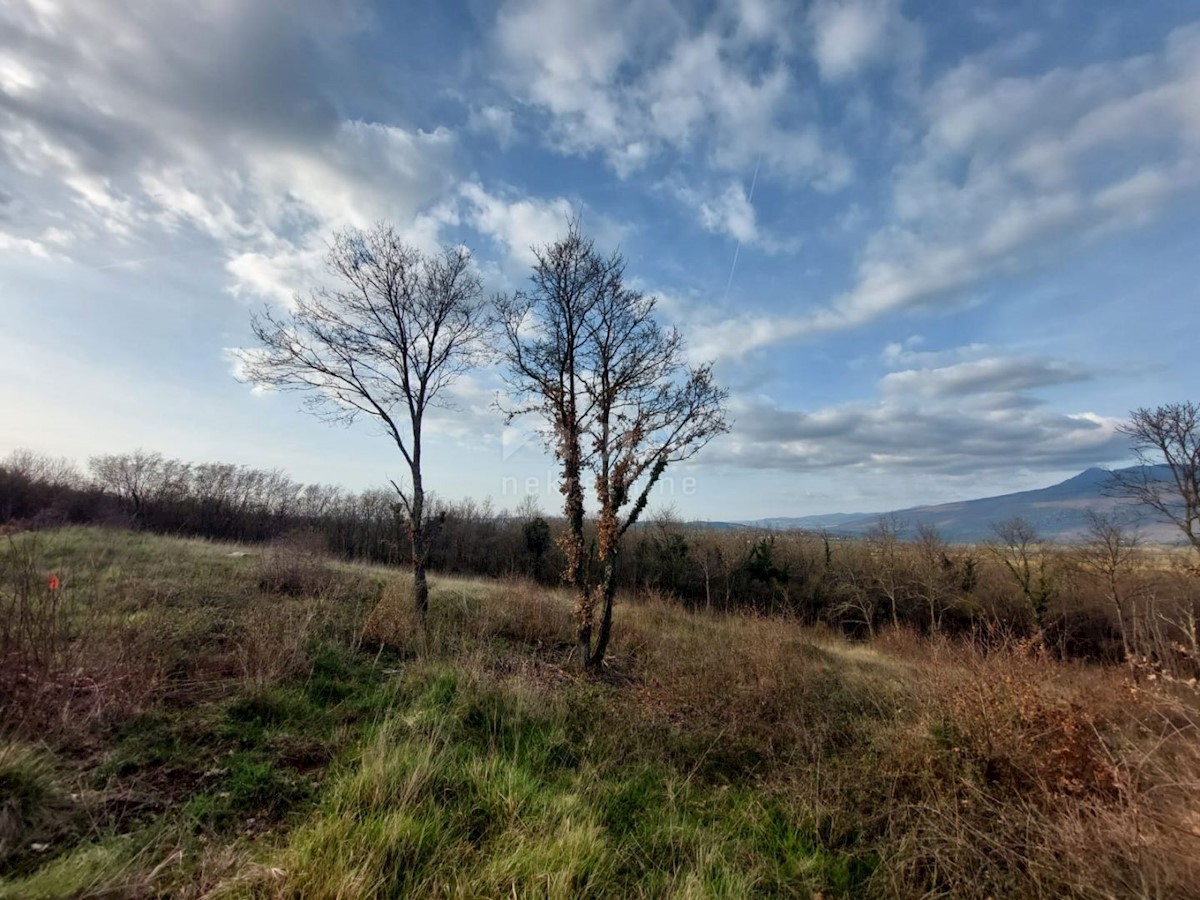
(219, 730)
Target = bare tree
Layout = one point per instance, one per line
(1110, 554)
(890, 569)
(1023, 552)
(854, 594)
(935, 573)
(139, 478)
(1169, 435)
(385, 342)
(50, 470)
(586, 353)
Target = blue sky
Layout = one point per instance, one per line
(936, 250)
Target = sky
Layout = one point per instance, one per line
(936, 251)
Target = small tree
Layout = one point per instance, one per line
(585, 353)
(935, 573)
(1023, 553)
(1110, 554)
(385, 342)
(890, 570)
(1169, 435)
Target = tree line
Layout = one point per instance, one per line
(1107, 597)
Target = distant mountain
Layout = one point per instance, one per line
(1059, 512)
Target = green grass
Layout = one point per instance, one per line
(250, 743)
(477, 790)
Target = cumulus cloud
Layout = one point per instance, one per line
(977, 415)
(211, 120)
(729, 211)
(632, 81)
(852, 35)
(518, 224)
(496, 121)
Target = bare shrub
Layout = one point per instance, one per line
(45, 625)
(1023, 775)
(997, 718)
(295, 565)
(69, 655)
(395, 620)
(34, 618)
(274, 641)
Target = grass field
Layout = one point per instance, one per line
(191, 719)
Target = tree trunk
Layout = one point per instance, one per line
(1114, 593)
(584, 633)
(608, 591)
(416, 535)
(572, 542)
(420, 584)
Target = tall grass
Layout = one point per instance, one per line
(317, 741)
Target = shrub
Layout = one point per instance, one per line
(1022, 776)
(294, 565)
(274, 641)
(394, 620)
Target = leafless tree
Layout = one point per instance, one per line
(855, 598)
(1170, 435)
(586, 353)
(935, 573)
(889, 570)
(1110, 553)
(1023, 552)
(139, 478)
(54, 471)
(385, 342)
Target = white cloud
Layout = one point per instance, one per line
(12, 244)
(731, 213)
(275, 275)
(1009, 173)
(518, 224)
(759, 20)
(976, 414)
(907, 353)
(634, 80)
(852, 35)
(496, 121)
(202, 121)
(989, 375)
